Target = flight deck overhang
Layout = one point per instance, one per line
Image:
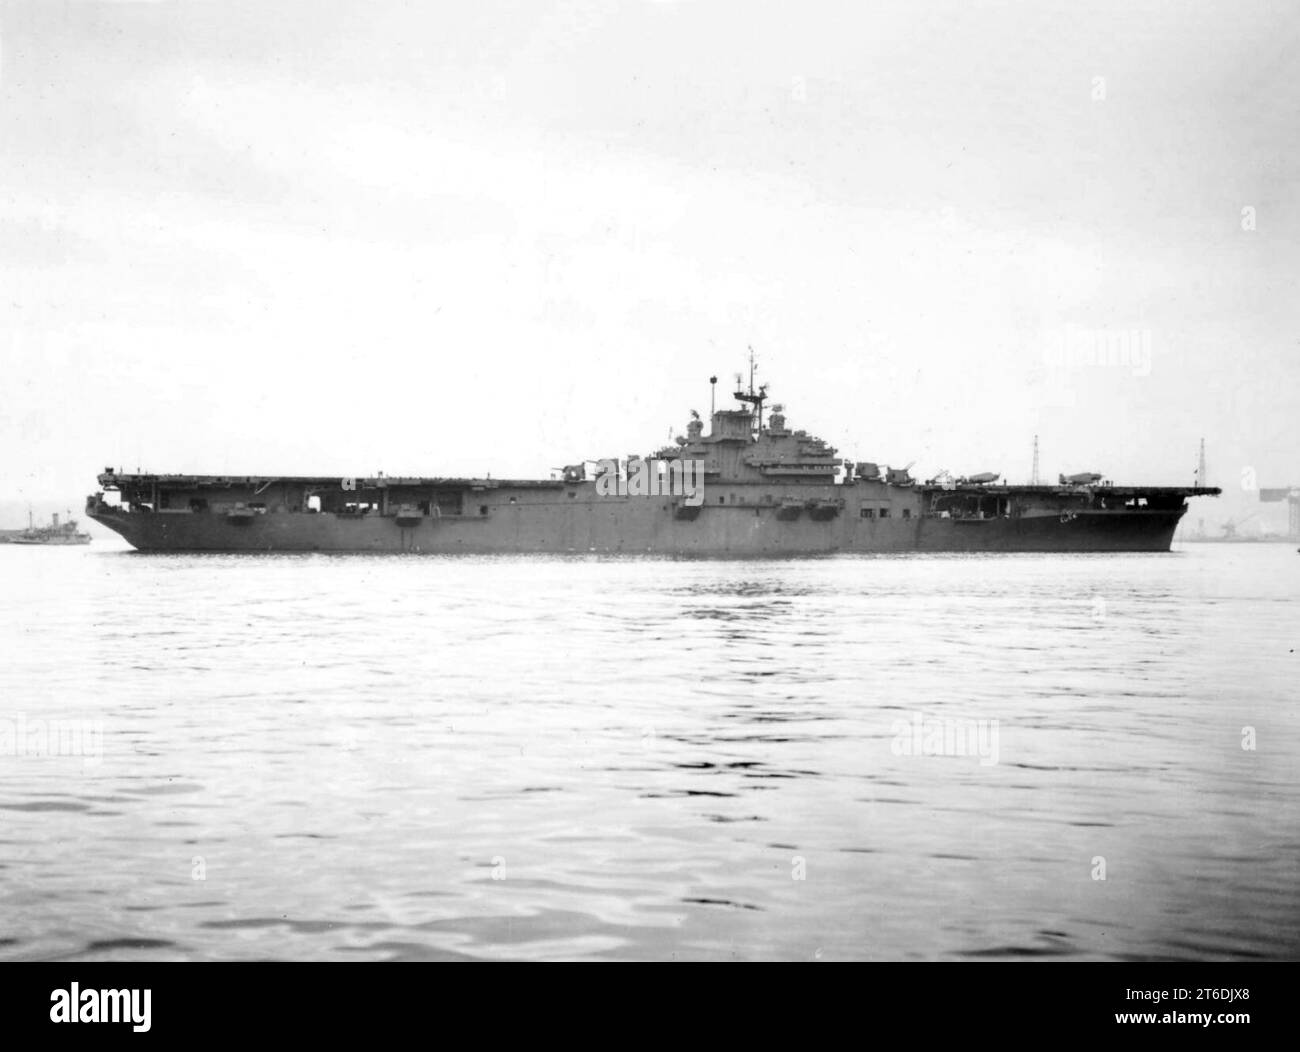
(111, 480)
(1121, 492)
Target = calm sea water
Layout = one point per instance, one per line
(357, 757)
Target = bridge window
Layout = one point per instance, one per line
(868, 513)
(884, 513)
(313, 504)
(483, 508)
(907, 513)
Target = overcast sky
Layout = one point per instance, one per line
(326, 236)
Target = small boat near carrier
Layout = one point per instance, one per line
(55, 533)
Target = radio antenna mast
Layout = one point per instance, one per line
(753, 397)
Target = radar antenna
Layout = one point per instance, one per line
(753, 397)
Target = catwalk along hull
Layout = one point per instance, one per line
(576, 519)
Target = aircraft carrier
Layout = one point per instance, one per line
(750, 487)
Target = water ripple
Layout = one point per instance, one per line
(325, 757)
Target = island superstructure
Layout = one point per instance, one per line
(765, 490)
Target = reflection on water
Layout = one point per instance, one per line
(427, 758)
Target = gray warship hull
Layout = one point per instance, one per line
(748, 488)
(484, 517)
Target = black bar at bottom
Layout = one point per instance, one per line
(332, 1002)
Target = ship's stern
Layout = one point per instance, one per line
(113, 516)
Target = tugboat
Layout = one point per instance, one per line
(54, 533)
(752, 487)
